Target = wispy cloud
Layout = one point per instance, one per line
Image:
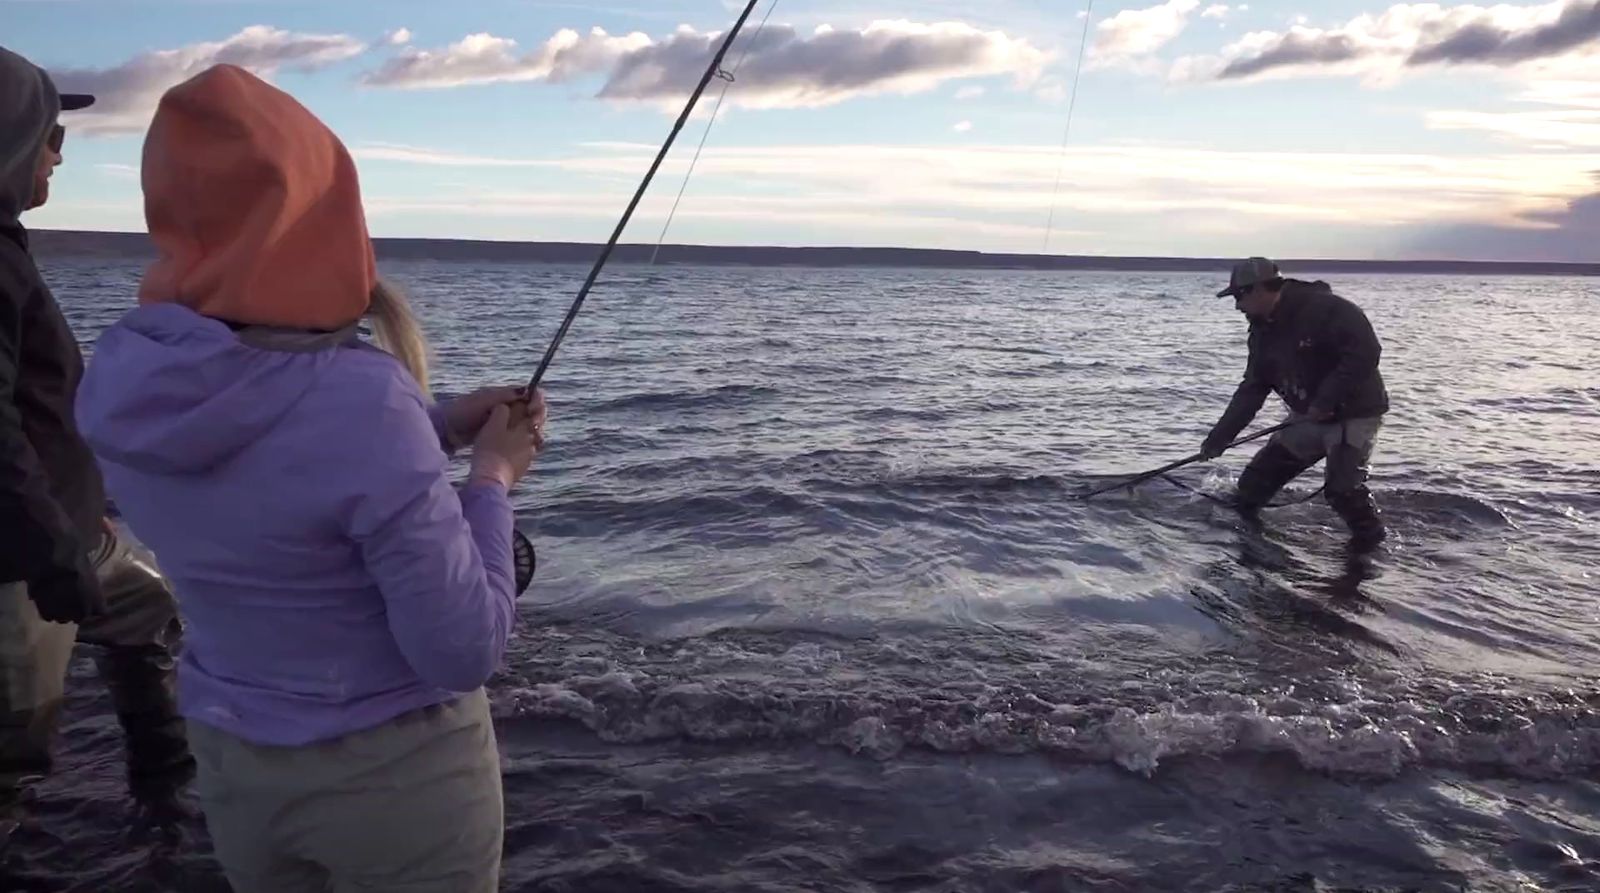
(121, 171)
(1556, 115)
(783, 69)
(417, 155)
(997, 197)
(618, 146)
(835, 223)
(1555, 130)
(1195, 190)
(127, 94)
(962, 126)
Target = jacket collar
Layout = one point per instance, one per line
(14, 231)
(1290, 303)
(285, 340)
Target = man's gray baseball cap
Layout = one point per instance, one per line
(1247, 274)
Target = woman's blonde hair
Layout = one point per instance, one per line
(396, 330)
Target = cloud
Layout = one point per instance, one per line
(552, 216)
(1410, 36)
(1564, 115)
(418, 155)
(1135, 33)
(1121, 198)
(121, 171)
(962, 127)
(783, 68)
(484, 58)
(1216, 11)
(1051, 89)
(619, 146)
(1565, 235)
(1559, 129)
(398, 37)
(1488, 41)
(1300, 46)
(969, 92)
(127, 94)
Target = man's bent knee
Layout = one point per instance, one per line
(1267, 473)
(140, 607)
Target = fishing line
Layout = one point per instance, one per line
(727, 78)
(1061, 160)
(1055, 194)
(611, 244)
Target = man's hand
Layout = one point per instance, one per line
(67, 598)
(1211, 449)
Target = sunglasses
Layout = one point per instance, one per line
(58, 135)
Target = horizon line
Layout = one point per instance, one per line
(63, 242)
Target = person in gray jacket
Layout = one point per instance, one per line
(1319, 354)
(65, 576)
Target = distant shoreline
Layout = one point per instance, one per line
(79, 243)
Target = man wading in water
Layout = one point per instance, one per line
(1317, 352)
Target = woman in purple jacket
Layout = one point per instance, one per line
(344, 604)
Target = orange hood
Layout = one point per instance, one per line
(254, 208)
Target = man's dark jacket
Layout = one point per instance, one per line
(1317, 352)
(52, 498)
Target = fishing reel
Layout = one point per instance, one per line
(524, 558)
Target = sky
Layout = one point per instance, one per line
(1289, 128)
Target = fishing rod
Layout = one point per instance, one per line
(1157, 472)
(611, 244)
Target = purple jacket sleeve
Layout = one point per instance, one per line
(436, 418)
(442, 559)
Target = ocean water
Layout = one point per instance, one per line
(817, 608)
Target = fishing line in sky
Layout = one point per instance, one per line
(1083, 43)
(712, 70)
(727, 77)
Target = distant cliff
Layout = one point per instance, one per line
(63, 243)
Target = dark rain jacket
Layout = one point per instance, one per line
(1317, 352)
(52, 498)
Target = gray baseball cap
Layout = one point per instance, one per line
(1247, 274)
